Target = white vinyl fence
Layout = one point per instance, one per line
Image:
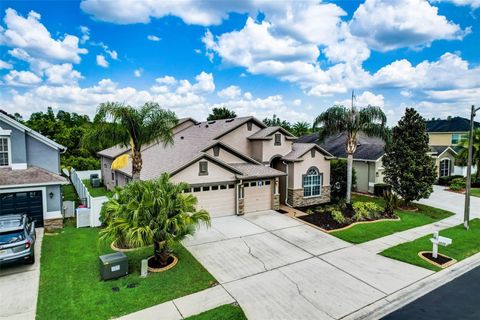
(94, 204)
(462, 171)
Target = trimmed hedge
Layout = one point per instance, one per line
(380, 188)
(447, 180)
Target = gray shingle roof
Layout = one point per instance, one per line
(369, 148)
(267, 132)
(31, 175)
(455, 124)
(188, 144)
(299, 149)
(113, 152)
(438, 150)
(251, 171)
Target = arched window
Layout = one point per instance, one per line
(312, 183)
(445, 167)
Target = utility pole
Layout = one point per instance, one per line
(466, 217)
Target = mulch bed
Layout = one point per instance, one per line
(325, 221)
(440, 260)
(154, 264)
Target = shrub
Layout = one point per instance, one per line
(380, 188)
(447, 180)
(338, 177)
(366, 210)
(458, 184)
(338, 216)
(392, 202)
(309, 211)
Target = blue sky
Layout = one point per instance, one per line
(292, 58)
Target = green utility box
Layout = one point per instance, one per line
(114, 265)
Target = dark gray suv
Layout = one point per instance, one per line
(17, 238)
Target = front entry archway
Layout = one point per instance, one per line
(277, 163)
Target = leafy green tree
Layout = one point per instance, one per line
(276, 122)
(301, 128)
(337, 119)
(463, 153)
(121, 124)
(152, 212)
(338, 179)
(408, 168)
(219, 113)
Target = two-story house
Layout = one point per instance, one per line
(234, 166)
(30, 180)
(444, 135)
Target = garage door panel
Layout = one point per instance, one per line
(258, 198)
(30, 203)
(217, 202)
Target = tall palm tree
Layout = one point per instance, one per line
(152, 212)
(463, 153)
(338, 119)
(116, 123)
(301, 128)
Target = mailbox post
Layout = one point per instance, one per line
(438, 240)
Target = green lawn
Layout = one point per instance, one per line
(69, 194)
(70, 285)
(369, 231)
(225, 312)
(464, 244)
(475, 192)
(98, 191)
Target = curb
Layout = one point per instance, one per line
(398, 299)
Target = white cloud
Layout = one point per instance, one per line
(62, 74)
(364, 99)
(138, 73)
(231, 92)
(113, 54)
(153, 38)
(101, 61)
(474, 4)
(21, 78)
(388, 25)
(204, 83)
(406, 93)
(85, 34)
(5, 65)
(32, 36)
(168, 80)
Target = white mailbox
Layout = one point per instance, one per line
(438, 240)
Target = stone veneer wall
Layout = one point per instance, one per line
(296, 199)
(52, 225)
(241, 207)
(276, 202)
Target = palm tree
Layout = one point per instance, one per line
(301, 128)
(338, 119)
(152, 212)
(219, 113)
(116, 123)
(463, 153)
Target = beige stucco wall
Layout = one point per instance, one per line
(379, 171)
(269, 148)
(120, 179)
(216, 173)
(226, 156)
(301, 168)
(440, 139)
(256, 149)
(238, 138)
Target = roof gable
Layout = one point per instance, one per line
(267, 134)
(231, 150)
(210, 158)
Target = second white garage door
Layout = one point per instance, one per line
(216, 200)
(258, 196)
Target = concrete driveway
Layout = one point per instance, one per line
(19, 287)
(451, 201)
(279, 268)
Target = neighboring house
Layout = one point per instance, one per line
(30, 180)
(367, 160)
(234, 166)
(449, 132)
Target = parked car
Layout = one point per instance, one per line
(17, 238)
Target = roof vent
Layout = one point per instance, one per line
(230, 120)
(211, 122)
(206, 126)
(182, 138)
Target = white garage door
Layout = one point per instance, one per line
(258, 196)
(217, 200)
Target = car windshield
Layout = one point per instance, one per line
(11, 237)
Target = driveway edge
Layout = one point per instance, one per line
(408, 294)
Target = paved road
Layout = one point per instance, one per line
(276, 267)
(19, 287)
(457, 299)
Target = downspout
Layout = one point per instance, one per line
(286, 185)
(236, 196)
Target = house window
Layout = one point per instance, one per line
(312, 183)
(445, 167)
(457, 137)
(197, 189)
(4, 152)
(203, 168)
(113, 175)
(278, 139)
(216, 151)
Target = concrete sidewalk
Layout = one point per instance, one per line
(19, 287)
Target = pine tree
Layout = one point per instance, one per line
(408, 167)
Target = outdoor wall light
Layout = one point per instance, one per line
(51, 195)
